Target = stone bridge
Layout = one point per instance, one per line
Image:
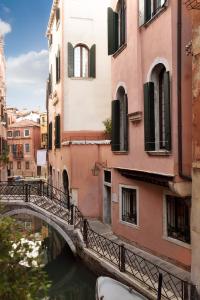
(39, 199)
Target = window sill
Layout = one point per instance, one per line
(120, 152)
(135, 226)
(82, 78)
(159, 153)
(119, 50)
(177, 242)
(159, 12)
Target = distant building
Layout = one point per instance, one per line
(3, 142)
(23, 142)
(43, 130)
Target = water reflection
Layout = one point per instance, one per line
(70, 278)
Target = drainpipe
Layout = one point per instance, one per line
(179, 91)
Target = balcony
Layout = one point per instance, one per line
(192, 4)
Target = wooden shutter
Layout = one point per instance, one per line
(149, 120)
(147, 10)
(167, 117)
(70, 60)
(93, 61)
(112, 31)
(50, 136)
(115, 144)
(57, 131)
(58, 65)
(125, 123)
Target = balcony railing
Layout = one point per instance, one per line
(192, 4)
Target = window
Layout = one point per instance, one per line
(50, 136)
(120, 121)
(10, 165)
(44, 138)
(19, 165)
(50, 40)
(9, 133)
(149, 8)
(116, 27)
(57, 131)
(107, 176)
(81, 61)
(129, 205)
(178, 218)
(27, 165)
(16, 133)
(26, 132)
(58, 67)
(17, 151)
(27, 147)
(57, 15)
(157, 123)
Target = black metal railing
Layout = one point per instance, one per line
(58, 203)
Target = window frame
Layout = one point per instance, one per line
(28, 132)
(121, 186)
(82, 46)
(27, 163)
(121, 11)
(9, 131)
(18, 135)
(19, 164)
(25, 150)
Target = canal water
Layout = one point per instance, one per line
(69, 276)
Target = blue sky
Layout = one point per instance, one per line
(24, 23)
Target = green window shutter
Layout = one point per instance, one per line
(167, 117)
(112, 31)
(50, 136)
(147, 10)
(149, 119)
(115, 144)
(126, 123)
(93, 61)
(70, 60)
(57, 131)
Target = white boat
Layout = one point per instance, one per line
(110, 289)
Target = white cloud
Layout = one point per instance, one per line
(26, 79)
(4, 27)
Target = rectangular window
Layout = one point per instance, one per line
(58, 67)
(16, 133)
(129, 205)
(11, 165)
(19, 165)
(27, 147)
(26, 132)
(149, 8)
(107, 176)
(178, 218)
(9, 133)
(27, 165)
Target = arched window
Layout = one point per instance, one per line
(81, 61)
(120, 121)
(157, 110)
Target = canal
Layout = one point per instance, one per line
(69, 276)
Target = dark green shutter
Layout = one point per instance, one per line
(147, 10)
(167, 118)
(58, 65)
(70, 60)
(93, 61)
(57, 131)
(125, 123)
(112, 31)
(50, 136)
(149, 120)
(115, 144)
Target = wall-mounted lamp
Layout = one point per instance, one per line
(97, 167)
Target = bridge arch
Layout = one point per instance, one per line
(45, 219)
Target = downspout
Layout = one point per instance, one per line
(179, 91)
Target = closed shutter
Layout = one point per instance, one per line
(167, 117)
(115, 144)
(58, 65)
(57, 131)
(56, 69)
(70, 60)
(147, 10)
(93, 61)
(125, 123)
(149, 120)
(50, 136)
(112, 31)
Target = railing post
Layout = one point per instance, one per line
(160, 279)
(72, 214)
(27, 192)
(85, 232)
(122, 258)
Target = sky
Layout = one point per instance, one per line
(23, 24)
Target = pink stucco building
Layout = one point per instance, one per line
(140, 184)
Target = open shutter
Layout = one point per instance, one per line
(149, 120)
(93, 61)
(141, 13)
(50, 136)
(70, 60)
(59, 65)
(56, 69)
(112, 31)
(147, 10)
(57, 131)
(125, 123)
(167, 118)
(115, 144)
